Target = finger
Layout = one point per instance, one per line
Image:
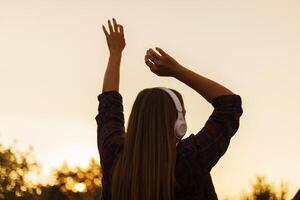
(154, 54)
(148, 62)
(115, 25)
(105, 31)
(152, 58)
(161, 51)
(110, 27)
(121, 29)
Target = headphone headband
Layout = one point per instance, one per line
(174, 97)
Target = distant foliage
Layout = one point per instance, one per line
(14, 167)
(81, 183)
(261, 190)
(77, 183)
(66, 183)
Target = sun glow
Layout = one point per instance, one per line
(80, 187)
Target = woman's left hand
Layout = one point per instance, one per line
(115, 39)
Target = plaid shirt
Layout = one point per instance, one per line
(196, 154)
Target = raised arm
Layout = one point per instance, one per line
(110, 117)
(212, 141)
(165, 65)
(116, 43)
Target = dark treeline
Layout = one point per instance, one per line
(81, 183)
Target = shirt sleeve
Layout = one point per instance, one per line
(212, 141)
(110, 127)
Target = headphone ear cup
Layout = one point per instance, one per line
(181, 129)
(180, 126)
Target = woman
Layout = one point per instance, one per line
(148, 161)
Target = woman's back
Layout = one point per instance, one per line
(196, 154)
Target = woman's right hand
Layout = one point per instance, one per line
(162, 65)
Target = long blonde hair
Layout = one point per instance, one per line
(145, 168)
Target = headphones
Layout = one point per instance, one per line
(180, 126)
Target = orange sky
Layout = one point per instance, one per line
(54, 53)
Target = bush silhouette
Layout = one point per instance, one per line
(78, 183)
(261, 190)
(14, 167)
(66, 183)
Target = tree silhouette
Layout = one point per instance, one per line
(14, 168)
(79, 183)
(66, 184)
(261, 190)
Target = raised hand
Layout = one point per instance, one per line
(115, 38)
(162, 65)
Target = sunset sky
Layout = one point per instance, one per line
(53, 55)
